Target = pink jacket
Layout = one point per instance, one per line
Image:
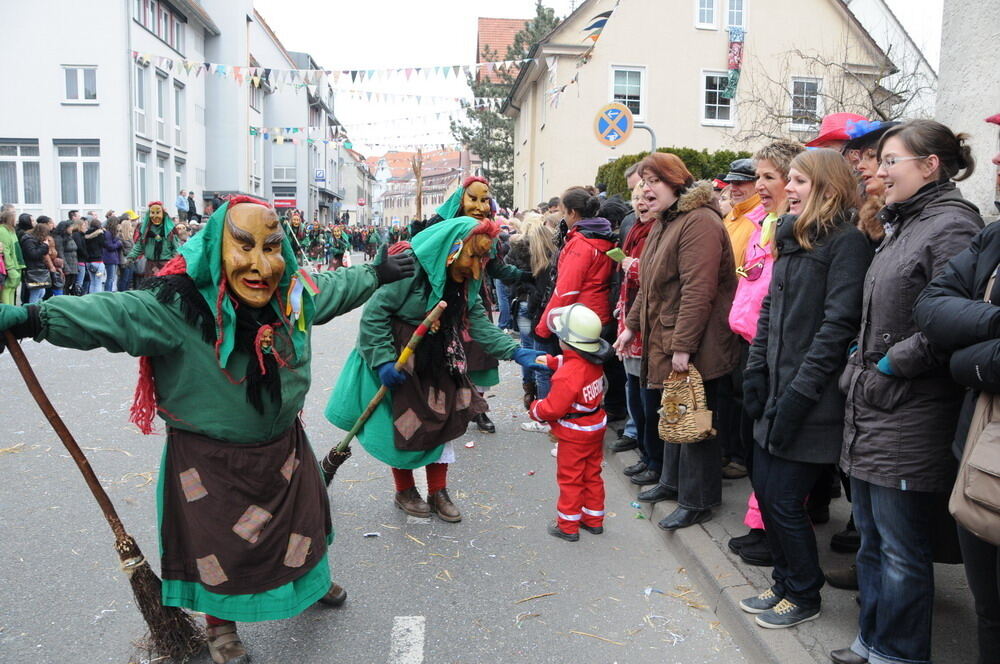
(750, 294)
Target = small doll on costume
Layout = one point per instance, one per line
(573, 410)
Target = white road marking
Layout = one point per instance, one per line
(407, 645)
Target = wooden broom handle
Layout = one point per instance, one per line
(31, 380)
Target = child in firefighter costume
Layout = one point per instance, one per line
(156, 240)
(432, 400)
(573, 409)
(223, 333)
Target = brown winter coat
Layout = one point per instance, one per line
(686, 287)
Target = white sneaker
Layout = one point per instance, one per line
(555, 450)
(535, 427)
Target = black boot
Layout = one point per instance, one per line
(485, 424)
(530, 393)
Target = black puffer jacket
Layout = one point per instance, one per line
(953, 315)
(898, 428)
(811, 313)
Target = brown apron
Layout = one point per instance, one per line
(242, 519)
(430, 410)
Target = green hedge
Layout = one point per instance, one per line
(702, 164)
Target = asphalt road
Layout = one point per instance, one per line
(493, 588)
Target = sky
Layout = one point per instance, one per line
(373, 34)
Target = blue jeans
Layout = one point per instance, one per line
(125, 275)
(631, 430)
(111, 284)
(895, 573)
(80, 277)
(35, 295)
(781, 486)
(97, 277)
(503, 300)
(540, 377)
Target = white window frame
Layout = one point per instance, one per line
(792, 124)
(142, 177)
(256, 96)
(643, 97)
(161, 176)
(162, 105)
(79, 159)
(743, 14)
(179, 114)
(257, 164)
(703, 88)
(714, 25)
(180, 168)
(80, 72)
(141, 101)
(21, 158)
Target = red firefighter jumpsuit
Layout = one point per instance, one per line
(573, 409)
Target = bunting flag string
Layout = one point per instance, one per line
(305, 77)
(593, 32)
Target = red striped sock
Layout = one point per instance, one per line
(403, 479)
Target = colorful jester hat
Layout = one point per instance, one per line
(168, 222)
(438, 245)
(203, 263)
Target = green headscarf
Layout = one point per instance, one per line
(203, 255)
(168, 223)
(449, 209)
(432, 247)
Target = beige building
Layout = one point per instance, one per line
(668, 62)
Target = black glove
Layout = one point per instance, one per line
(787, 416)
(393, 268)
(754, 393)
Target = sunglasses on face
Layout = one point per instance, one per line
(752, 269)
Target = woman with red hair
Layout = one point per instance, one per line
(686, 287)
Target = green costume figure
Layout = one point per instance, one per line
(10, 250)
(434, 400)
(156, 240)
(339, 246)
(223, 333)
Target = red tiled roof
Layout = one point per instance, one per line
(498, 34)
(400, 164)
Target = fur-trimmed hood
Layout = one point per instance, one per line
(699, 194)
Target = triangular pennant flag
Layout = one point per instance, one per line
(371, 74)
(354, 75)
(409, 73)
(336, 77)
(454, 69)
(238, 74)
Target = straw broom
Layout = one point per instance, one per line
(336, 457)
(172, 631)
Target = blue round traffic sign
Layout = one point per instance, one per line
(614, 124)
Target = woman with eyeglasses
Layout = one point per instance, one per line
(771, 163)
(902, 405)
(807, 320)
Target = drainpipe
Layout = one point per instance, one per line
(130, 105)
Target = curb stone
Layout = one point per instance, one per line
(723, 584)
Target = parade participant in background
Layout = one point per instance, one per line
(371, 243)
(297, 233)
(474, 200)
(573, 410)
(10, 252)
(339, 249)
(224, 337)
(433, 399)
(156, 240)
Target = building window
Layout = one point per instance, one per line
(256, 94)
(627, 87)
(160, 19)
(161, 176)
(20, 180)
(178, 175)
(81, 84)
(737, 13)
(705, 14)
(283, 173)
(716, 109)
(140, 100)
(806, 109)
(79, 174)
(161, 107)
(257, 168)
(178, 114)
(141, 163)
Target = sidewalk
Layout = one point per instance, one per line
(725, 580)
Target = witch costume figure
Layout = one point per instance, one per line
(433, 399)
(475, 200)
(223, 333)
(156, 240)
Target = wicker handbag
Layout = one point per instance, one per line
(684, 413)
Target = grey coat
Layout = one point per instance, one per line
(66, 248)
(810, 315)
(898, 429)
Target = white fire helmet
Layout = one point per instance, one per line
(578, 326)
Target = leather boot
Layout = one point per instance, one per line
(845, 578)
(410, 502)
(530, 393)
(335, 596)
(225, 646)
(484, 423)
(441, 505)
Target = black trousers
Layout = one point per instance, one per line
(614, 372)
(982, 569)
(694, 470)
(781, 486)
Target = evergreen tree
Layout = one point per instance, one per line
(485, 131)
